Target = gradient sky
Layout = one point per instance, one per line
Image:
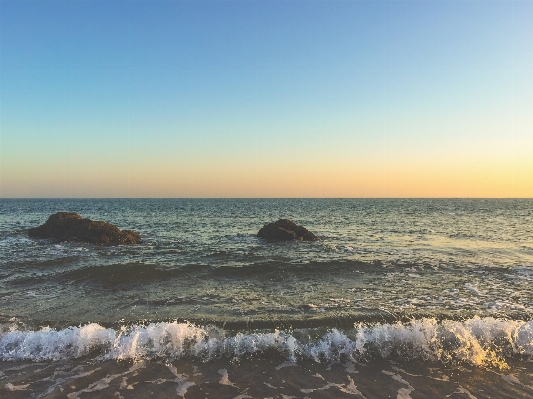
(266, 98)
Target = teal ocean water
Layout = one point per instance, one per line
(399, 298)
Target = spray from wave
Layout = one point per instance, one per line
(484, 342)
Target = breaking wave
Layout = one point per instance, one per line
(484, 342)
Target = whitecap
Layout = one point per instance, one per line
(477, 341)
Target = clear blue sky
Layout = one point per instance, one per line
(266, 98)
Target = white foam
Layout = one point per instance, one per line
(512, 379)
(349, 367)
(403, 393)
(329, 385)
(12, 388)
(182, 388)
(476, 341)
(181, 380)
(104, 382)
(50, 344)
(462, 390)
(351, 389)
(286, 364)
(59, 381)
(225, 379)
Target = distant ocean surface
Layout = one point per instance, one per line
(399, 298)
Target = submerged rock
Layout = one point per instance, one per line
(69, 226)
(285, 230)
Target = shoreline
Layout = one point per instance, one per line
(267, 376)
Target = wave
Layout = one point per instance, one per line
(484, 342)
(131, 272)
(119, 273)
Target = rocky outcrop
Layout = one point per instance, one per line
(285, 230)
(67, 226)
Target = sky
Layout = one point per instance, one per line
(266, 98)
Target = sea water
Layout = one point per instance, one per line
(399, 298)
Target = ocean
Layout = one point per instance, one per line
(400, 298)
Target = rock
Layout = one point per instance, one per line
(67, 226)
(285, 230)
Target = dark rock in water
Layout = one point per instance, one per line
(67, 226)
(285, 230)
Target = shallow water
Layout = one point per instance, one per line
(428, 284)
(262, 377)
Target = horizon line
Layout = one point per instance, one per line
(251, 198)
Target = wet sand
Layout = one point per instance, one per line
(267, 376)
